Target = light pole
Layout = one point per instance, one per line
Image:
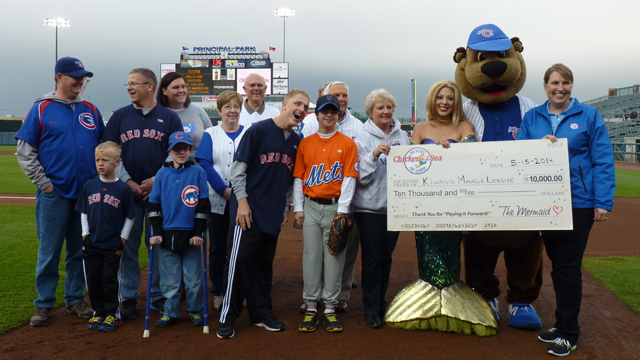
(57, 22)
(284, 13)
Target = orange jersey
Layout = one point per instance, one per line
(323, 163)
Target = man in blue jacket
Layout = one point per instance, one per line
(56, 151)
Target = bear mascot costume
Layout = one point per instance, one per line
(490, 72)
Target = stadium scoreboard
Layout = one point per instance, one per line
(211, 70)
(199, 80)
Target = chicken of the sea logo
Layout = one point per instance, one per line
(417, 160)
(190, 195)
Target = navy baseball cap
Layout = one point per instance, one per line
(72, 67)
(488, 37)
(179, 137)
(327, 100)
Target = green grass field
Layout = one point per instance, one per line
(8, 148)
(627, 183)
(620, 275)
(13, 180)
(19, 246)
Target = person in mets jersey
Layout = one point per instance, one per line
(324, 182)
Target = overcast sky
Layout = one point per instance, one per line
(368, 44)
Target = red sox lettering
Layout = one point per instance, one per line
(146, 133)
(108, 199)
(275, 157)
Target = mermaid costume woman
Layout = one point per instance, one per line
(439, 300)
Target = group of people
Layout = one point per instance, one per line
(238, 179)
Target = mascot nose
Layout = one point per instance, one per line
(494, 69)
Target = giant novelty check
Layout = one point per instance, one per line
(501, 185)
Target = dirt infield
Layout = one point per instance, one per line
(609, 328)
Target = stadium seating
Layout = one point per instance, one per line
(616, 106)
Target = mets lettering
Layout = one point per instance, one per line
(146, 133)
(275, 157)
(107, 199)
(319, 175)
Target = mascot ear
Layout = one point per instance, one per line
(460, 54)
(517, 44)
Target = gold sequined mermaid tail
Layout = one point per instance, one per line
(439, 300)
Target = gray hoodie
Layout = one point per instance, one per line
(371, 188)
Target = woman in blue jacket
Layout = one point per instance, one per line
(592, 186)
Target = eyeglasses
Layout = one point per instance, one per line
(231, 107)
(76, 78)
(132, 84)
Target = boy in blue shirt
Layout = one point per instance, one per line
(107, 211)
(178, 212)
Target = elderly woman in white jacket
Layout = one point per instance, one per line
(380, 132)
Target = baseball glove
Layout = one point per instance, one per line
(339, 234)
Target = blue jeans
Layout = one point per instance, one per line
(57, 220)
(130, 265)
(176, 266)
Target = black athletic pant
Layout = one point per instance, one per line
(250, 275)
(219, 251)
(377, 246)
(101, 269)
(565, 250)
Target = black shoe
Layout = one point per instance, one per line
(561, 347)
(341, 306)
(128, 309)
(225, 331)
(548, 336)
(271, 324)
(309, 322)
(158, 305)
(331, 322)
(165, 321)
(373, 321)
(303, 308)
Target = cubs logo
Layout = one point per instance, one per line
(86, 120)
(574, 126)
(190, 195)
(514, 131)
(189, 127)
(486, 33)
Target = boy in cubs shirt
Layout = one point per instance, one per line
(324, 182)
(178, 211)
(107, 211)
